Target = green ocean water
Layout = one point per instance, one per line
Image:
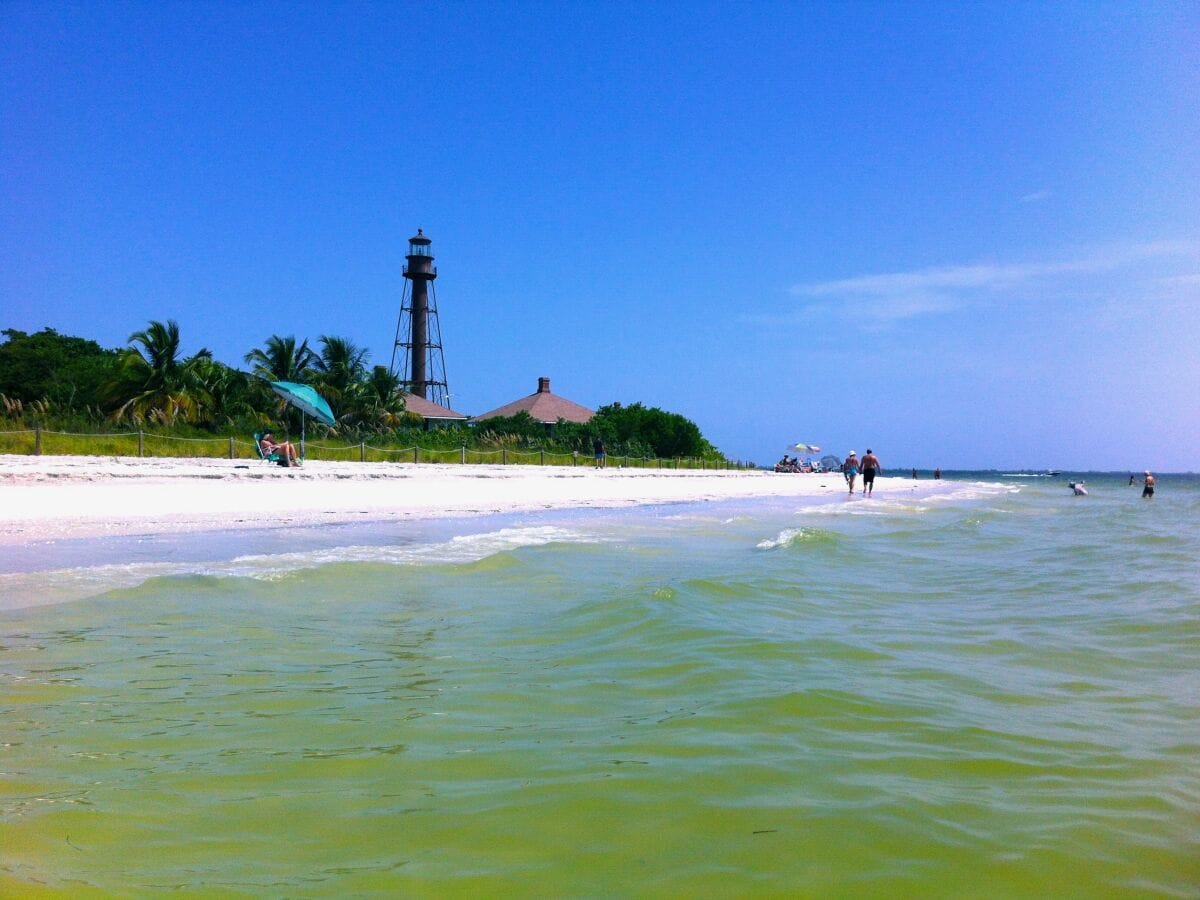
(992, 693)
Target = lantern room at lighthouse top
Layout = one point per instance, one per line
(418, 245)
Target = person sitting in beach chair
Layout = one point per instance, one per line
(284, 454)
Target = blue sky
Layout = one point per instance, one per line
(964, 235)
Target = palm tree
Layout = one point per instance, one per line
(342, 367)
(282, 360)
(379, 401)
(153, 382)
(228, 389)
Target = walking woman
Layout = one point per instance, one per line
(850, 469)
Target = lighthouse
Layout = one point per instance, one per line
(418, 344)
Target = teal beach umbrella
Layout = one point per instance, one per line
(307, 400)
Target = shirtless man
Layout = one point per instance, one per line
(1148, 481)
(870, 468)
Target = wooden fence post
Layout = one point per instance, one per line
(504, 456)
(542, 461)
(37, 440)
(416, 454)
(231, 448)
(362, 451)
(141, 442)
(463, 457)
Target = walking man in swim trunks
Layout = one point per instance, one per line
(1148, 481)
(850, 469)
(870, 468)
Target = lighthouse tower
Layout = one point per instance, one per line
(418, 346)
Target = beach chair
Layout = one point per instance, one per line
(278, 458)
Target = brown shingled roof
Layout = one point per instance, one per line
(427, 409)
(544, 406)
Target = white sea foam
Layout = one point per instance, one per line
(978, 490)
(785, 538)
(459, 549)
(24, 589)
(856, 507)
(893, 503)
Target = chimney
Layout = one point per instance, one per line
(543, 385)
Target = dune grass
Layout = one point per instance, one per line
(131, 443)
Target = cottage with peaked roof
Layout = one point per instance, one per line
(543, 406)
(431, 413)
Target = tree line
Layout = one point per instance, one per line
(72, 383)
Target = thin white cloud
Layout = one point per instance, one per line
(939, 278)
(1181, 281)
(903, 295)
(1036, 197)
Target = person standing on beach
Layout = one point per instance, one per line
(870, 468)
(598, 448)
(850, 469)
(1148, 481)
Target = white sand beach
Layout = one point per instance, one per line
(57, 497)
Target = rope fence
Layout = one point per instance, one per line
(38, 441)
